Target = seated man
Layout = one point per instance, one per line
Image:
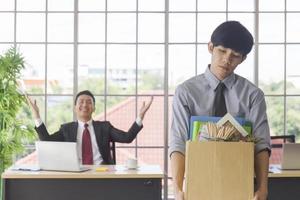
(92, 137)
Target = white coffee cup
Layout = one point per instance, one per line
(131, 163)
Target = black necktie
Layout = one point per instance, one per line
(219, 102)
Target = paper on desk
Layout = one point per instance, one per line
(274, 169)
(26, 167)
(101, 169)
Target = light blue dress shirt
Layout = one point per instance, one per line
(195, 97)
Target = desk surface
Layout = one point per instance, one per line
(276, 172)
(113, 171)
(142, 183)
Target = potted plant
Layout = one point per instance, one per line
(13, 132)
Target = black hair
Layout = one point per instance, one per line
(85, 92)
(233, 35)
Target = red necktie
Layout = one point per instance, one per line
(87, 152)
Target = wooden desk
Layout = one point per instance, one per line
(117, 183)
(284, 184)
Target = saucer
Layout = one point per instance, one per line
(131, 168)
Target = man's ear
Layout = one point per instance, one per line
(210, 47)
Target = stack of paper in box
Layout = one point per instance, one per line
(219, 163)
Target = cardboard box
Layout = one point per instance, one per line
(219, 170)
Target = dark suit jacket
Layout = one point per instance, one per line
(104, 132)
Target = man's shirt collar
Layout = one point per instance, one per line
(213, 81)
(81, 123)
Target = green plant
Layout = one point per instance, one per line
(13, 133)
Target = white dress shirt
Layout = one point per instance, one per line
(96, 153)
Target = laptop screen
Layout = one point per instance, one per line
(290, 156)
(61, 156)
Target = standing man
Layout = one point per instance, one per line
(92, 137)
(218, 91)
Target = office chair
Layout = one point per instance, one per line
(113, 152)
(279, 140)
(277, 144)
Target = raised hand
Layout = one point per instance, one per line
(34, 107)
(145, 108)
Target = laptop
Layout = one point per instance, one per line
(290, 156)
(58, 156)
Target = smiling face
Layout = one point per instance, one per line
(223, 60)
(84, 107)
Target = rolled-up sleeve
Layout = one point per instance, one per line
(258, 117)
(180, 122)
